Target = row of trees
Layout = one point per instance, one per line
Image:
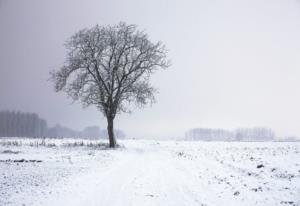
(92, 132)
(20, 124)
(241, 134)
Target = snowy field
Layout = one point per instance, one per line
(141, 172)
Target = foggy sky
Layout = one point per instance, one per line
(234, 63)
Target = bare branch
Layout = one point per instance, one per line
(110, 67)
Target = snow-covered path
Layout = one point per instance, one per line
(139, 176)
(156, 173)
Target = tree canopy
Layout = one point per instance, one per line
(110, 67)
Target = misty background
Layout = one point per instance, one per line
(234, 63)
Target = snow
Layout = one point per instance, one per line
(148, 172)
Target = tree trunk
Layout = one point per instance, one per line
(110, 130)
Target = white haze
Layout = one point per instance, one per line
(234, 63)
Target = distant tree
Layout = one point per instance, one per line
(91, 132)
(254, 134)
(9, 124)
(209, 134)
(110, 67)
(2, 124)
(44, 127)
(120, 134)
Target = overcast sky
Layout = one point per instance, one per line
(234, 63)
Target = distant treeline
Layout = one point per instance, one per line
(241, 134)
(21, 124)
(91, 132)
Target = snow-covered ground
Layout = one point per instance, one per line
(145, 172)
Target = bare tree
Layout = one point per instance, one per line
(110, 67)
